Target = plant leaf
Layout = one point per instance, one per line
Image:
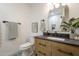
(66, 23)
(76, 24)
(72, 19)
(65, 26)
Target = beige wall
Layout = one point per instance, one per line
(73, 10)
(39, 12)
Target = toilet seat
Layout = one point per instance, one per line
(26, 46)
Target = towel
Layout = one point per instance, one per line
(11, 30)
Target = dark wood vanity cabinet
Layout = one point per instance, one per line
(45, 47)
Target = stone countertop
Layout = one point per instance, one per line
(66, 41)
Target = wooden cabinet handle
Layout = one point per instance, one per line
(69, 53)
(42, 44)
(42, 53)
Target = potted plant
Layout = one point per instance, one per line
(71, 26)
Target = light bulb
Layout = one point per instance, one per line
(57, 5)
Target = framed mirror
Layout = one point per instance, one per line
(56, 17)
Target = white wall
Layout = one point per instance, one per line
(15, 13)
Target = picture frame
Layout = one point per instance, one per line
(35, 27)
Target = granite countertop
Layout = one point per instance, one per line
(66, 41)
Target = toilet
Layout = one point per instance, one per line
(28, 47)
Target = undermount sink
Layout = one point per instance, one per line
(54, 38)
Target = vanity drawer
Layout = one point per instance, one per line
(75, 50)
(43, 47)
(43, 43)
(40, 42)
(65, 49)
(39, 53)
(43, 51)
(56, 52)
(72, 50)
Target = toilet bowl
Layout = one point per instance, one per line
(27, 48)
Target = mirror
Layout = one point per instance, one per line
(56, 17)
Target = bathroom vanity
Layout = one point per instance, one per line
(56, 44)
(53, 46)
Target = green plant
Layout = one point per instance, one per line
(71, 25)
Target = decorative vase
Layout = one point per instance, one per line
(72, 35)
(77, 31)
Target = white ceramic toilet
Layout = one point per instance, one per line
(28, 47)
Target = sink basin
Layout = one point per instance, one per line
(54, 38)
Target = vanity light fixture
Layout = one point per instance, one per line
(50, 6)
(55, 5)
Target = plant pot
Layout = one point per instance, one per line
(77, 31)
(72, 35)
